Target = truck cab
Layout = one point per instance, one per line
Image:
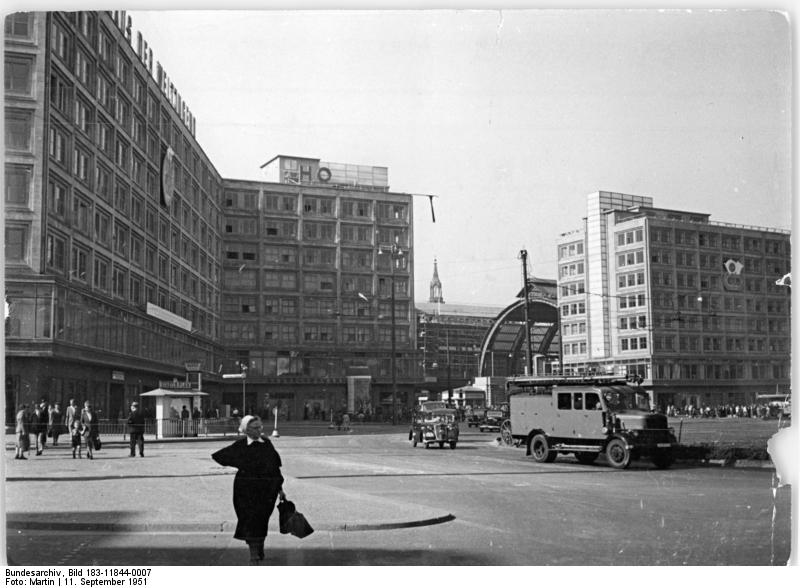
(587, 416)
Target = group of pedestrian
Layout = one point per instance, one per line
(45, 422)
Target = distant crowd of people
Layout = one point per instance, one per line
(742, 411)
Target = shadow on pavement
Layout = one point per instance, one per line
(235, 555)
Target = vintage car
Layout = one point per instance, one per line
(475, 417)
(434, 422)
(491, 420)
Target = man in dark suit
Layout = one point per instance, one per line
(136, 430)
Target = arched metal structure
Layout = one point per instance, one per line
(503, 348)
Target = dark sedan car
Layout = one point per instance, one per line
(491, 421)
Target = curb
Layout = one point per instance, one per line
(223, 527)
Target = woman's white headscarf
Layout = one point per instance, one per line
(245, 419)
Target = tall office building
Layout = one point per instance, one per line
(691, 305)
(310, 259)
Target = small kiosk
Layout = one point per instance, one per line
(169, 404)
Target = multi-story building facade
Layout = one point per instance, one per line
(311, 257)
(127, 255)
(690, 305)
(112, 216)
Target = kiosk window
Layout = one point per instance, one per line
(564, 401)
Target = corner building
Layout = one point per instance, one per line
(690, 305)
(129, 257)
(112, 280)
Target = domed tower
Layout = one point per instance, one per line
(436, 286)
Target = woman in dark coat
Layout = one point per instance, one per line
(89, 427)
(257, 484)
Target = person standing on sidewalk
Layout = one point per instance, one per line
(136, 430)
(54, 425)
(23, 432)
(89, 427)
(257, 484)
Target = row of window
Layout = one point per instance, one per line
(570, 250)
(712, 344)
(726, 241)
(290, 307)
(720, 371)
(314, 205)
(569, 329)
(93, 268)
(578, 348)
(246, 279)
(312, 334)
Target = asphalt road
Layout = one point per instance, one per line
(375, 500)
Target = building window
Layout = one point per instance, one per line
(101, 228)
(78, 264)
(57, 199)
(80, 164)
(57, 146)
(55, 253)
(119, 280)
(100, 274)
(16, 244)
(81, 210)
(19, 25)
(19, 124)
(18, 184)
(19, 75)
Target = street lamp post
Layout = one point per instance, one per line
(395, 253)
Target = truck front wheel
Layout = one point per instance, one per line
(618, 454)
(540, 449)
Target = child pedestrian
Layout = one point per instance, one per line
(75, 432)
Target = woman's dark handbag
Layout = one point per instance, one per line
(97, 444)
(291, 521)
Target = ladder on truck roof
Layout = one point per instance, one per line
(587, 380)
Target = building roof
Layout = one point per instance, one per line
(449, 309)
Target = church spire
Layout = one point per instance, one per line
(436, 285)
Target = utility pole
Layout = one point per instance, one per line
(528, 355)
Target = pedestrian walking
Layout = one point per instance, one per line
(256, 486)
(136, 430)
(75, 438)
(54, 425)
(41, 419)
(71, 414)
(89, 428)
(22, 430)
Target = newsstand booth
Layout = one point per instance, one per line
(169, 404)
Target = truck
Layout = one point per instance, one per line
(586, 416)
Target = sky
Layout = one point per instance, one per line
(510, 117)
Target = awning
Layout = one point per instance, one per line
(173, 393)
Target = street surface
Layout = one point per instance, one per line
(375, 500)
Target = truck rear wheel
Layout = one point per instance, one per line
(540, 449)
(618, 454)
